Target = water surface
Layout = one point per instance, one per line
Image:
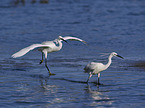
(106, 25)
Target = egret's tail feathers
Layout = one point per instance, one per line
(86, 69)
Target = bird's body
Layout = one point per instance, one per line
(94, 68)
(54, 46)
(46, 47)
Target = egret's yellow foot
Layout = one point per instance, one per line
(51, 73)
(41, 61)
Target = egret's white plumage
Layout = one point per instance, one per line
(95, 68)
(27, 49)
(46, 47)
(73, 38)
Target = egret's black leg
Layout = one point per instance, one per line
(98, 78)
(47, 67)
(41, 61)
(90, 75)
(98, 82)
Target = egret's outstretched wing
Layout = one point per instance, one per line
(27, 49)
(74, 38)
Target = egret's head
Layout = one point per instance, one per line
(61, 38)
(115, 54)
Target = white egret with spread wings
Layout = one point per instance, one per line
(46, 47)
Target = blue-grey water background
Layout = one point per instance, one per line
(106, 25)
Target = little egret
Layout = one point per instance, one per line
(46, 47)
(94, 68)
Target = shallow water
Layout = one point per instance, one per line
(106, 25)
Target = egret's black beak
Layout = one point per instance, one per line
(63, 40)
(119, 56)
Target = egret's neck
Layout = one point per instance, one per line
(58, 44)
(109, 61)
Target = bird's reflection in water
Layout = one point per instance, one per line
(43, 81)
(50, 92)
(44, 84)
(99, 97)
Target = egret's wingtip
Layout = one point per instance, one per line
(14, 56)
(85, 42)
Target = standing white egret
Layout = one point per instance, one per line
(46, 47)
(94, 68)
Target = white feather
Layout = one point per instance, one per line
(73, 38)
(49, 46)
(27, 49)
